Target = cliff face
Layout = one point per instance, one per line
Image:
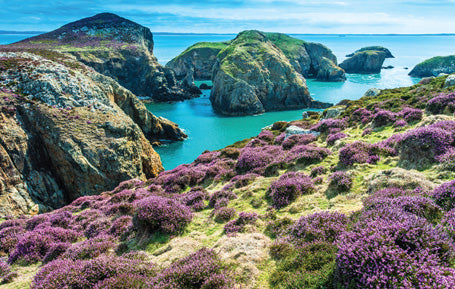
(118, 48)
(434, 66)
(305, 57)
(67, 131)
(365, 62)
(252, 75)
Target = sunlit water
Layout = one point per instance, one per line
(208, 131)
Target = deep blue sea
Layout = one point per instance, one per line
(208, 131)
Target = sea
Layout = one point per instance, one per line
(208, 131)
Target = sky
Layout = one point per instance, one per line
(217, 16)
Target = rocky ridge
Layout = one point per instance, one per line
(68, 131)
(118, 48)
(252, 76)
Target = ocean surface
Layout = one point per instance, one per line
(209, 131)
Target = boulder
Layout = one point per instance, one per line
(434, 66)
(329, 71)
(205, 86)
(426, 80)
(252, 76)
(332, 113)
(450, 81)
(118, 48)
(365, 62)
(292, 130)
(67, 131)
(372, 92)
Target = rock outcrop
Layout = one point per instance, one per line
(329, 71)
(387, 52)
(305, 57)
(365, 62)
(118, 48)
(252, 76)
(68, 131)
(434, 66)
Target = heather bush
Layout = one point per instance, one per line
(86, 217)
(255, 160)
(118, 209)
(307, 154)
(12, 223)
(255, 142)
(367, 131)
(320, 170)
(318, 180)
(55, 251)
(266, 135)
(241, 181)
(447, 159)
(444, 195)
(400, 123)
(310, 266)
(124, 281)
(280, 138)
(61, 219)
(121, 226)
(128, 185)
(158, 214)
(448, 223)
(443, 103)
(321, 226)
(6, 274)
(195, 198)
(238, 225)
(35, 221)
(332, 138)
(330, 125)
(221, 195)
(202, 269)
(207, 157)
(90, 248)
(423, 145)
(124, 196)
(87, 274)
(356, 152)
(9, 237)
(278, 227)
(280, 249)
(339, 182)
(297, 139)
(383, 118)
(181, 177)
(97, 227)
(361, 115)
(224, 214)
(410, 114)
(288, 188)
(392, 252)
(230, 152)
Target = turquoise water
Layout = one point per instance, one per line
(208, 131)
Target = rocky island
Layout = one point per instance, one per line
(312, 60)
(367, 60)
(118, 48)
(252, 75)
(434, 66)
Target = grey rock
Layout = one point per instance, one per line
(450, 81)
(372, 92)
(365, 62)
(292, 130)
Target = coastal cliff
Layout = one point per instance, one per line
(68, 131)
(434, 66)
(118, 48)
(252, 76)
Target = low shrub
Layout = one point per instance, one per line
(332, 138)
(224, 214)
(383, 118)
(90, 248)
(297, 139)
(288, 188)
(238, 225)
(443, 103)
(340, 182)
(444, 195)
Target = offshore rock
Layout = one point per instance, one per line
(434, 66)
(364, 62)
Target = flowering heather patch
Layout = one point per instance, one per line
(361, 115)
(181, 177)
(448, 159)
(9, 237)
(340, 182)
(318, 171)
(55, 251)
(129, 184)
(207, 157)
(297, 140)
(321, 226)
(356, 152)
(87, 274)
(121, 226)
(444, 195)
(35, 221)
(241, 181)
(12, 223)
(307, 154)
(97, 227)
(238, 225)
(266, 135)
(6, 274)
(330, 125)
(392, 252)
(86, 217)
(202, 269)
(448, 223)
(223, 214)
(195, 198)
(161, 214)
(221, 195)
(90, 248)
(280, 138)
(288, 188)
(61, 219)
(119, 209)
(443, 103)
(367, 131)
(383, 118)
(278, 227)
(410, 114)
(256, 143)
(400, 123)
(332, 138)
(255, 160)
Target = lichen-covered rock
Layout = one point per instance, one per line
(366, 62)
(372, 92)
(118, 48)
(68, 132)
(450, 81)
(434, 66)
(252, 76)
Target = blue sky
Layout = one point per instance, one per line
(217, 16)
